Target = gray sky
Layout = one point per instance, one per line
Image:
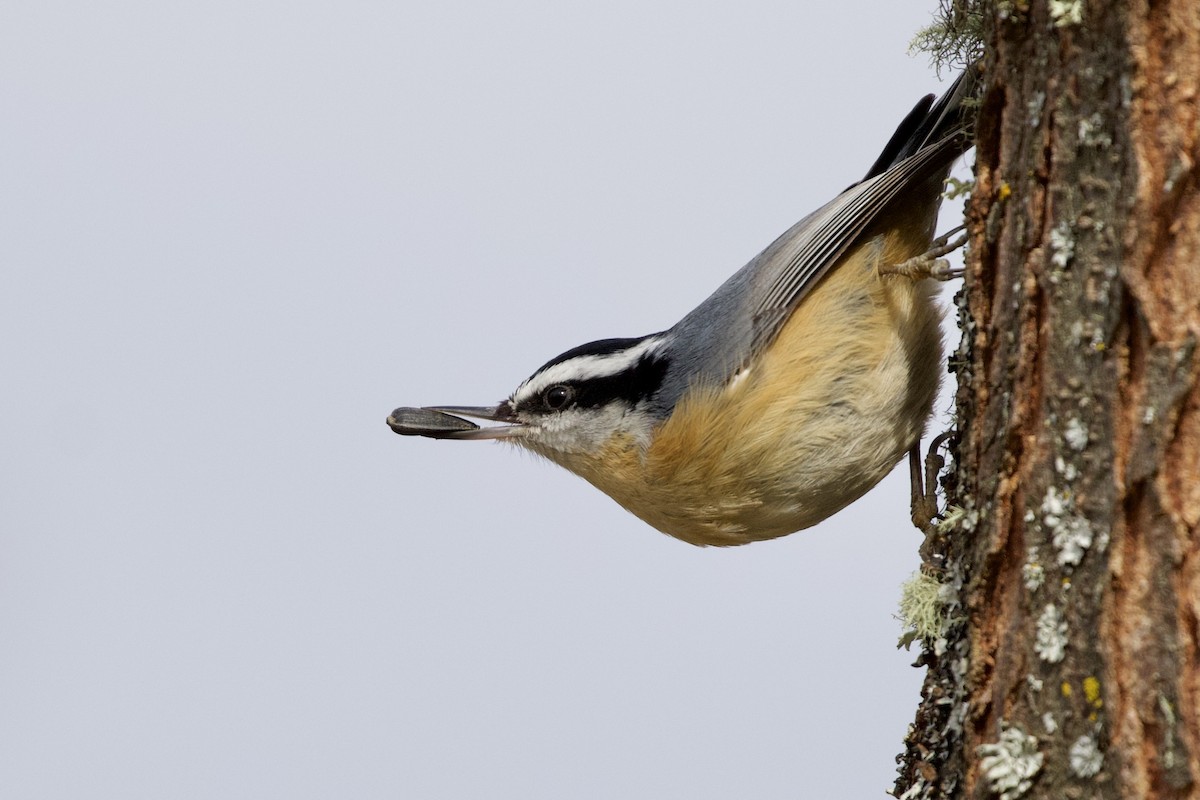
(236, 235)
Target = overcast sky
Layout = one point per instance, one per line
(235, 235)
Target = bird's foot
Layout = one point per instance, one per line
(930, 264)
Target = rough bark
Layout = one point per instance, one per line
(1070, 662)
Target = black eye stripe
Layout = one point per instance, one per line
(638, 381)
(631, 385)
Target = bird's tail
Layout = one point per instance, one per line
(930, 122)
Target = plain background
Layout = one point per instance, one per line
(235, 235)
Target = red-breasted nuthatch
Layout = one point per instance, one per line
(787, 394)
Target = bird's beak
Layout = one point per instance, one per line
(445, 422)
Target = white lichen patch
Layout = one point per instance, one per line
(1066, 12)
(1054, 505)
(1072, 537)
(1050, 640)
(1033, 574)
(1034, 106)
(1092, 131)
(1085, 757)
(1010, 764)
(1075, 434)
(1066, 469)
(1071, 533)
(1062, 246)
(1049, 723)
(1089, 333)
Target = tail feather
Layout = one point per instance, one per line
(931, 122)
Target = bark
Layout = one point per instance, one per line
(1070, 662)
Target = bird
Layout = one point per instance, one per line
(784, 396)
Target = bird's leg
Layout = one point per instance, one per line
(924, 492)
(930, 264)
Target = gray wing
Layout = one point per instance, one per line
(795, 262)
(744, 314)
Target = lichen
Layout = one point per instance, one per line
(1070, 533)
(1034, 107)
(955, 37)
(922, 608)
(1033, 574)
(1085, 756)
(1054, 505)
(1072, 537)
(954, 515)
(1169, 755)
(956, 188)
(1010, 764)
(1066, 12)
(1066, 469)
(1062, 247)
(1092, 131)
(1075, 434)
(1050, 641)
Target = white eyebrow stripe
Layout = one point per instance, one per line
(586, 367)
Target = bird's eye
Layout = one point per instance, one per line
(558, 397)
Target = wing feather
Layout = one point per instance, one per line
(805, 253)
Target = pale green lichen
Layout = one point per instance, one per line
(958, 517)
(1169, 756)
(922, 608)
(956, 188)
(955, 36)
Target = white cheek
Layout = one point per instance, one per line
(588, 430)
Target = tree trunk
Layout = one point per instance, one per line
(1070, 662)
